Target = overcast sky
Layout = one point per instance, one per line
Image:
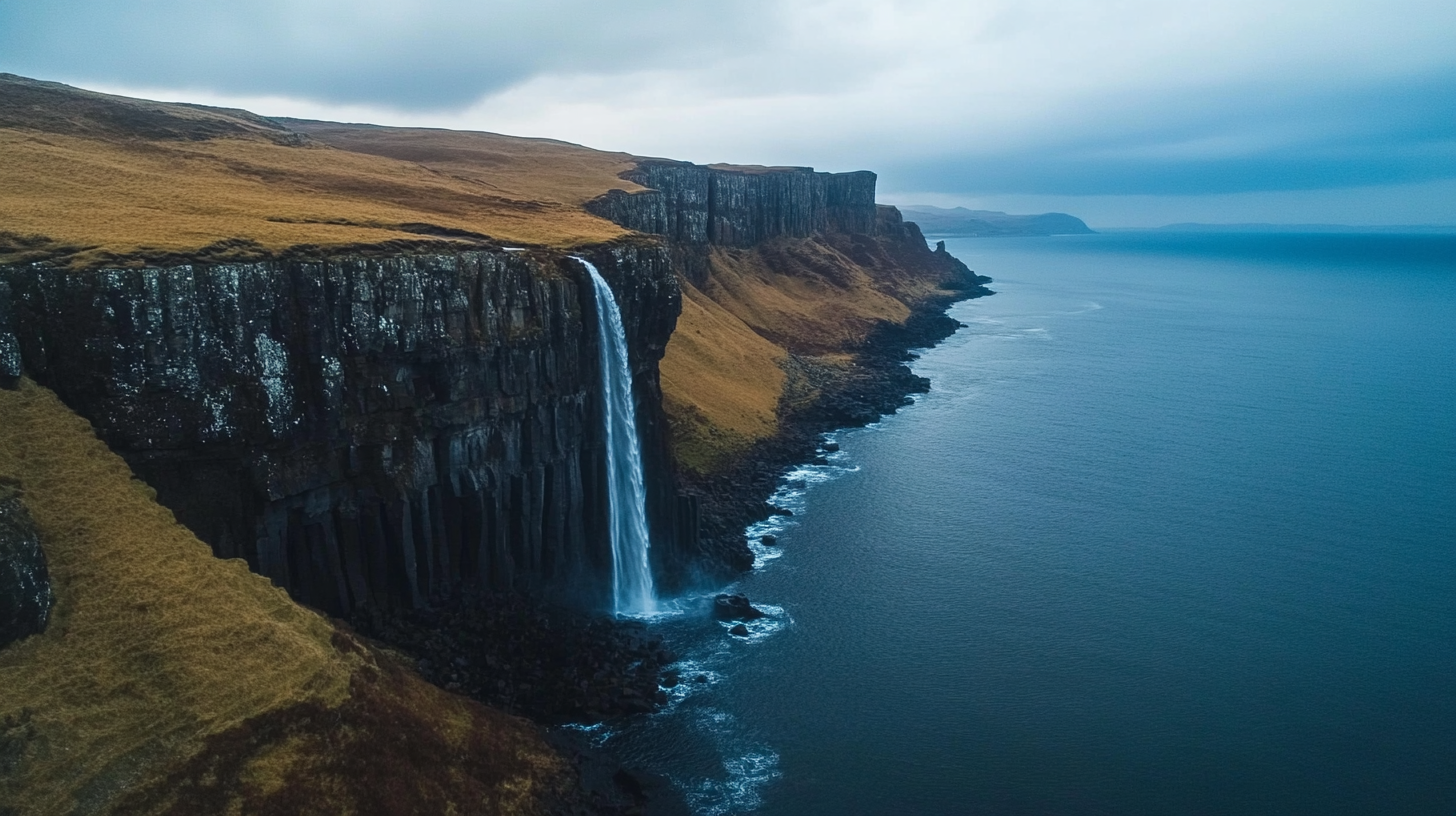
(1124, 112)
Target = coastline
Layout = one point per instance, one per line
(878, 383)
(531, 659)
(558, 665)
(733, 502)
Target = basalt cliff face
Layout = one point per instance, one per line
(693, 205)
(365, 431)
(377, 431)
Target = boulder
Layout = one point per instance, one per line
(739, 630)
(25, 587)
(768, 540)
(734, 607)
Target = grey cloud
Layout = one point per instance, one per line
(432, 55)
(1015, 101)
(1218, 141)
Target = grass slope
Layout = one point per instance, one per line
(721, 383)
(172, 682)
(724, 374)
(91, 179)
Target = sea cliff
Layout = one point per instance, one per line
(802, 298)
(363, 362)
(364, 431)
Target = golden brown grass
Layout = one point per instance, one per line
(166, 671)
(511, 166)
(803, 295)
(721, 383)
(723, 376)
(153, 642)
(107, 178)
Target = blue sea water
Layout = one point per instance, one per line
(1174, 532)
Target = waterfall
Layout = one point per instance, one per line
(627, 497)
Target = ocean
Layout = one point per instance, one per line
(1174, 532)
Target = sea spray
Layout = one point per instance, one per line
(632, 592)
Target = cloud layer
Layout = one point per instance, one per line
(971, 99)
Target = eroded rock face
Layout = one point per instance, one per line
(365, 431)
(10, 366)
(691, 204)
(25, 587)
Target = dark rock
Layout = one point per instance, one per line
(25, 587)
(10, 362)
(695, 205)
(768, 540)
(701, 678)
(550, 663)
(367, 430)
(830, 447)
(670, 679)
(611, 788)
(734, 607)
(739, 630)
(630, 784)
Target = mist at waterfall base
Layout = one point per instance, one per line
(1173, 533)
(632, 593)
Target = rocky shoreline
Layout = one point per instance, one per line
(879, 383)
(558, 665)
(552, 664)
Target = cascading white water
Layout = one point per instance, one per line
(632, 592)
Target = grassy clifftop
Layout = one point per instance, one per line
(90, 179)
(726, 376)
(171, 682)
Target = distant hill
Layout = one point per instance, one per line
(987, 223)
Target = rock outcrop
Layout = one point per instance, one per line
(739, 206)
(728, 607)
(25, 586)
(364, 431)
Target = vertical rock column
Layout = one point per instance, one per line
(363, 431)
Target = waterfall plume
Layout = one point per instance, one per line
(632, 592)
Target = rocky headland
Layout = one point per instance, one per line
(962, 222)
(359, 365)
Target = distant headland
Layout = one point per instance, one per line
(962, 222)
